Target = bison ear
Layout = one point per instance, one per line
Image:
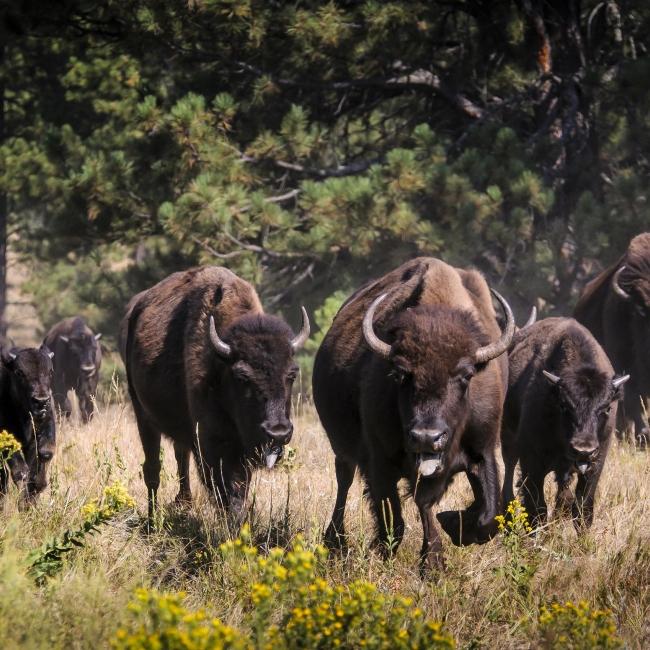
(65, 339)
(98, 336)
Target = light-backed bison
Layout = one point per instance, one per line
(559, 415)
(77, 359)
(409, 382)
(208, 368)
(615, 308)
(26, 412)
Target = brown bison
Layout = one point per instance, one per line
(77, 359)
(559, 415)
(207, 367)
(615, 307)
(416, 392)
(26, 412)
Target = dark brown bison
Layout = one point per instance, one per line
(77, 359)
(207, 367)
(416, 393)
(615, 307)
(26, 412)
(559, 415)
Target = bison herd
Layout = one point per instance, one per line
(414, 380)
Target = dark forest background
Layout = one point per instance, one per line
(311, 145)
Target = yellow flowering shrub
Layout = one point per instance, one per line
(288, 605)
(571, 626)
(8, 445)
(514, 530)
(47, 561)
(163, 623)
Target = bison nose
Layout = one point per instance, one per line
(584, 453)
(428, 439)
(45, 455)
(278, 432)
(40, 402)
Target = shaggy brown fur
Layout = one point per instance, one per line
(622, 327)
(435, 317)
(226, 411)
(77, 360)
(560, 427)
(26, 412)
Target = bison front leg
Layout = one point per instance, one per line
(335, 533)
(386, 506)
(184, 496)
(532, 487)
(477, 524)
(583, 506)
(431, 556)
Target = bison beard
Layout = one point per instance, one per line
(209, 369)
(559, 416)
(416, 393)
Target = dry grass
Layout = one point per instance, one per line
(479, 604)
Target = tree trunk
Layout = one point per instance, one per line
(3, 209)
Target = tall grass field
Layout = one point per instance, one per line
(128, 584)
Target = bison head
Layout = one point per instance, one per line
(586, 397)
(30, 371)
(435, 354)
(258, 352)
(81, 347)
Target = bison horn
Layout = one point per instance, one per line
(617, 287)
(223, 349)
(493, 350)
(531, 319)
(98, 336)
(619, 381)
(554, 379)
(373, 341)
(65, 339)
(299, 340)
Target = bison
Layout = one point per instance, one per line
(26, 412)
(409, 382)
(77, 359)
(208, 368)
(615, 307)
(559, 416)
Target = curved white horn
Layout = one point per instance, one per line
(299, 340)
(554, 379)
(374, 342)
(619, 381)
(617, 287)
(493, 350)
(222, 348)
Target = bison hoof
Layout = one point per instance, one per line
(463, 528)
(335, 540)
(183, 499)
(643, 438)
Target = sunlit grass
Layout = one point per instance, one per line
(477, 601)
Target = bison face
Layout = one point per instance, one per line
(258, 374)
(82, 350)
(31, 375)
(586, 397)
(433, 409)
(436, 351)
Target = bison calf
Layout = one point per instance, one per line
(416, 393)
(77, 359)
(207, 367)
(559, 416)
(26, 412)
